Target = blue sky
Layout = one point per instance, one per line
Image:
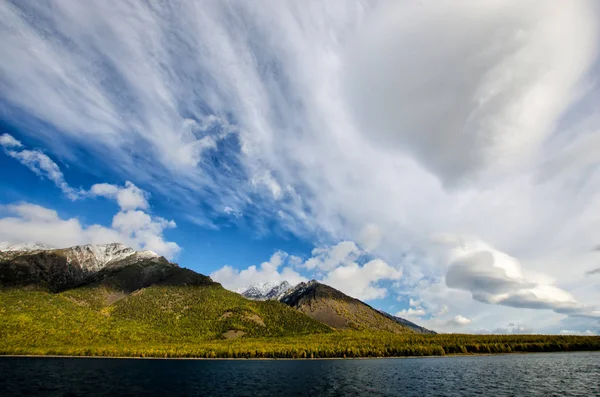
(437, 159)
(204, 249)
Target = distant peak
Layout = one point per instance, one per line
(266, 290)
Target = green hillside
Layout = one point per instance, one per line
(171, 321)
(158, 314)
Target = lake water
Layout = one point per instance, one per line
(561, 374)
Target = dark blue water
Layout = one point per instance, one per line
(561, 374)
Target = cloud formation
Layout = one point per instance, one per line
(26, 222)
(234, 279)
(8, 141)
(499, 92)
(336, 266)
(493, 277)
(129, 197)
(40, 164)
(337, 122)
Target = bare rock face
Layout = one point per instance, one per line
(338, 310)
(114, 265)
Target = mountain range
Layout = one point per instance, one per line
(110, 300)
(146, 290)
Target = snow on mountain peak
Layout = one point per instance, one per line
(269, 290)
(91, 257)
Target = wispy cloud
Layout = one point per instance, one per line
(40, 164)
(26, 222)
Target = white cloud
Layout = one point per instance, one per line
(370, 237)
(25, 222)
(411, 312)
(33, 212)
(460, 320)
(514, 78)
(267, 180)
(335, 264)
(129, 197)
(234, 279)
(415, 310)
(232, 212)
(571, 332)
(328, 258)
(361, 281)
(40, 164)
(37, 224)
(494, 277)
(8, 141)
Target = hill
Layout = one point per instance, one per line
(110, 293)
(338, 310)
(279, 291)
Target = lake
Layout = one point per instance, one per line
(548, 374)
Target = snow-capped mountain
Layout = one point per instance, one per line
(59, 269)
(266, 291)
(89, 257)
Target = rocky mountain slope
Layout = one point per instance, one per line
(110, 264)
(266, 291)
(279, 291)
(114, 277)
(338, 310)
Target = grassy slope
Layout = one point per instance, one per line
(188, 322)
(158, 314)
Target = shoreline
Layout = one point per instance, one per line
(286, 358)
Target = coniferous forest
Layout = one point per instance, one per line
(211, 322)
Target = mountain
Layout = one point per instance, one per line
(416, 328)
(110, 300)
(62, 269)
(113, 293)
(338, 310)
(266, 291)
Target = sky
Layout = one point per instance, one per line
(437, 159)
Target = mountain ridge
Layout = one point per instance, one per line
(271, 290)
(338, 310)
(154, 308)
(115, 264)
(115, 271)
